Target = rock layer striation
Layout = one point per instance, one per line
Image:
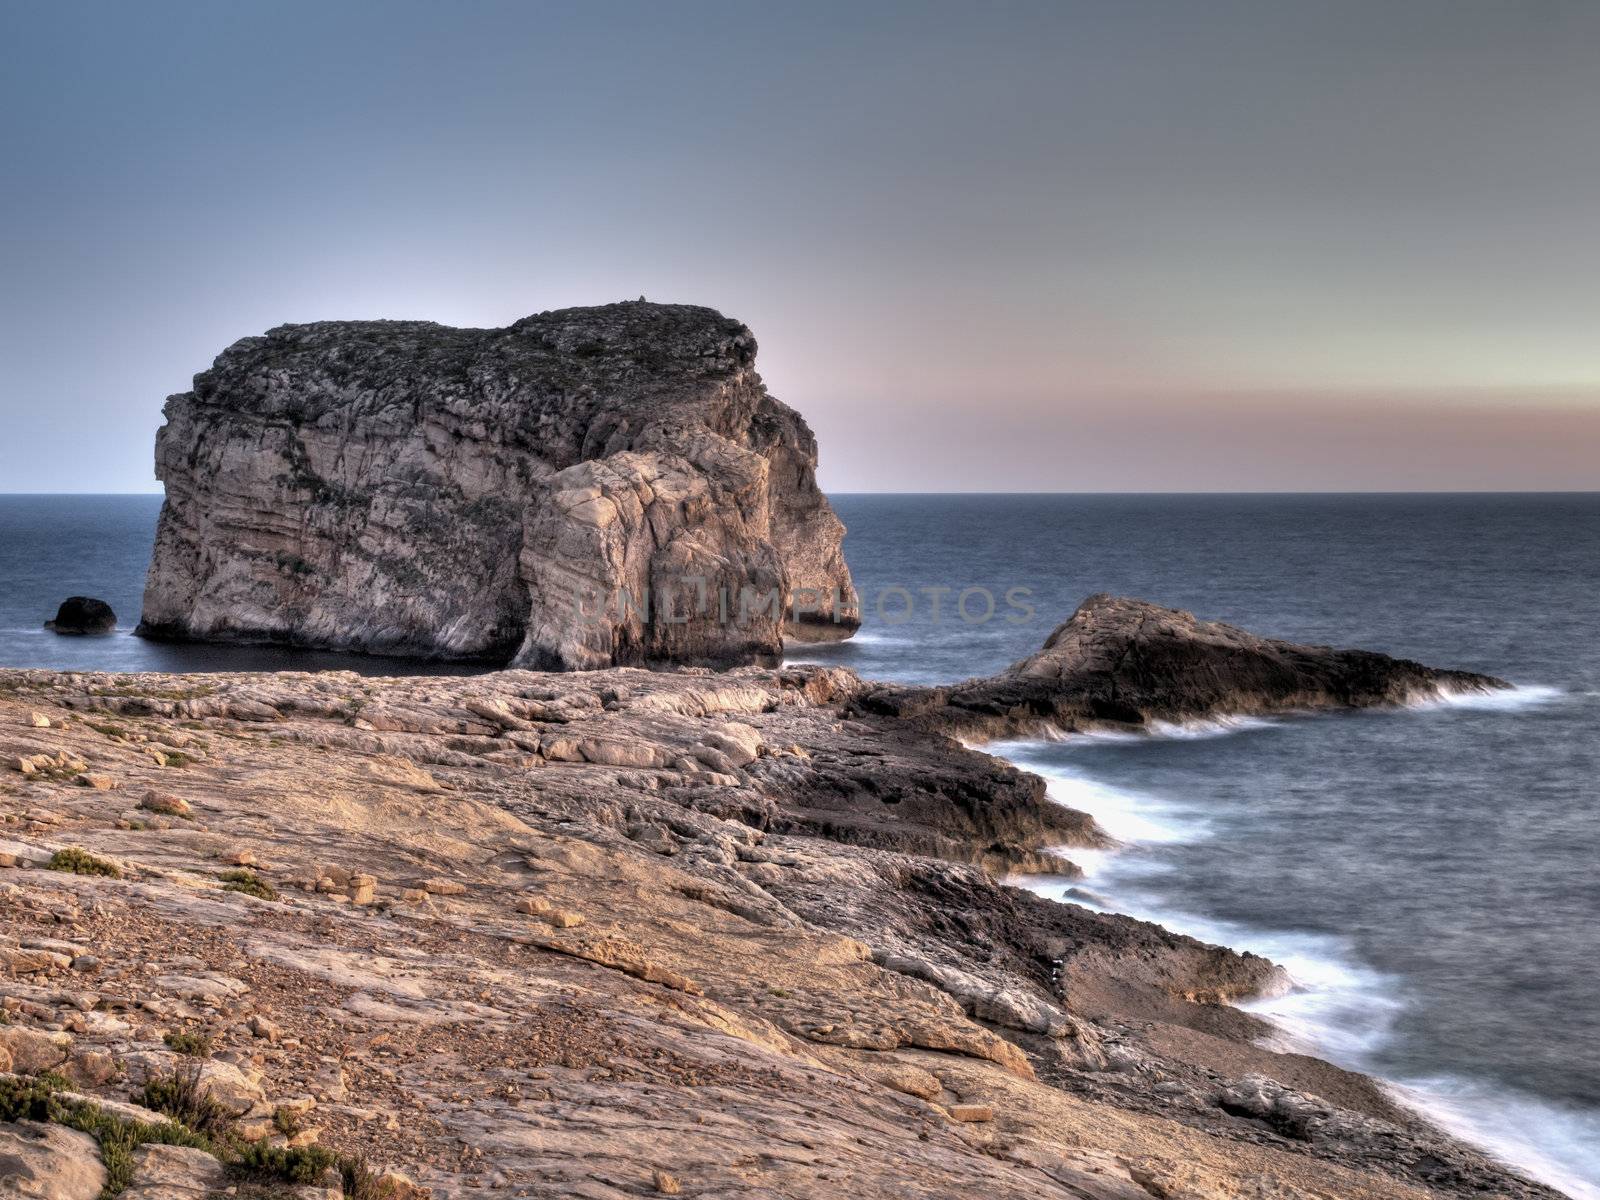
(626, 933)
(584, 488)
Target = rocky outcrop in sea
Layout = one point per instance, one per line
(1127, 664)
(581, 489)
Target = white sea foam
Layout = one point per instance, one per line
(1132, 818)
(1512, 699)
(1219, 726)
(1556, 1145)
(1332, 1005)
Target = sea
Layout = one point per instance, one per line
(1429, 876)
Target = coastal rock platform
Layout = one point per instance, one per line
(623, 933)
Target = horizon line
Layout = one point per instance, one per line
(1595, 491)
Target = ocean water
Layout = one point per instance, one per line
(52, 547)
(1428, 876)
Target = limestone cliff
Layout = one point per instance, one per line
(584, 488)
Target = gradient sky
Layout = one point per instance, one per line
(1122, 245)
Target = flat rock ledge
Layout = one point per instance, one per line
(626, 933)
(581, 489)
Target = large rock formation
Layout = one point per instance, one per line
(1127, 663)
(584, 488)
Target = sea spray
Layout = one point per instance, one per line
(1332, 1006)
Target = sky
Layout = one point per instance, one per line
(1127, 245)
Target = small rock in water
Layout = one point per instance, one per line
(83, 615)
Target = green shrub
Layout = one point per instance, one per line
(184, 1041)
(179, 1096)
(81, 862)
(35, 1099)
(298, 1164)
(247, 882)
(194, 1121)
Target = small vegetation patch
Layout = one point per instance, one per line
(180, 1097)
(194, 1120)
(81, 862)
(37, 1099)
(249, 883)
(60, 769)
(298, 1164)
(185, 1041)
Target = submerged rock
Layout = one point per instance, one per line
(584, 488)
(1121, 662)
(83, 615)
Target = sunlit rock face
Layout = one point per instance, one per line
(585, 488)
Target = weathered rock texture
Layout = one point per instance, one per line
(516, 495)
(1124, 663)
(582, 935)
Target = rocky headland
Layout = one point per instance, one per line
(630, 932)
(1123, 664)
(585, 488)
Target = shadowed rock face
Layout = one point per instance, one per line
(83, 615)
(1127, 663)
(516, 495)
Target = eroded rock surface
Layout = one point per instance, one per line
(1125, 663)
(584, 488)
(617, 933)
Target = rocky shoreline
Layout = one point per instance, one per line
(623, 933)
